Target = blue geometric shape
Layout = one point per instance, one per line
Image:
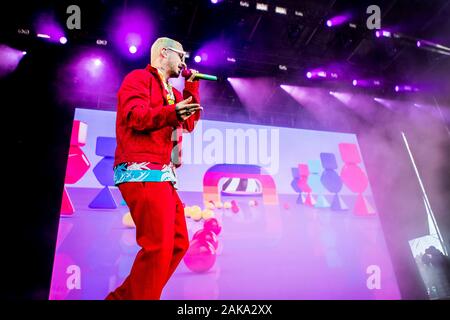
(103, 171)
(104, 200)
(315, 184)
(123, 203)
(328, 160)
(314, 166)
(331, 181)
(337, 204)
(106, 146)
(322, 202)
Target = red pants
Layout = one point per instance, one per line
(161, 231)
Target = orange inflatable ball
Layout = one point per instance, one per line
(227, 205)
(196, 213)
(218, 204)
(187, 212)
(206, 214)
(127, 220)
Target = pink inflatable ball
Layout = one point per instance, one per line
(234, 207)
(207, 235)
(213, 225)
(286, 206)
(200, 257)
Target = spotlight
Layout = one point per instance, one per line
(214, 1)
(309, 74)
(280, 10)
(355, 82)
(418, 43)
(352, 25)
(244, 4)
(43, 35)
(132, 49)
(262, 6)
(101, 42)
(397, 88)
(322, 74)
(282, 67)
(332, 93)
(233, 60)
(63, 40)
(329, 23)
(198, 59)
(24, 52)
(377, 34)
(299, 13)
(97, 62)
(386, 34)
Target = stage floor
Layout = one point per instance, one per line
(284, 251)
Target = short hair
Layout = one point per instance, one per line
(162, 43)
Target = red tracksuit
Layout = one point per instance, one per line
(144, 126)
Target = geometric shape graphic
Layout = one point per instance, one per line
(331, 180)
(305, 189)
(66, 205)
(104, 200)
(314, 182)
(103, 171)
(79, 133)
(355, 178)
(247, 171)
(77, 165)
(105, 146)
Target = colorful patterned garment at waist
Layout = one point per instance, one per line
(144, 172)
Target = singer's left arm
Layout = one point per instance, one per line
(191, 88)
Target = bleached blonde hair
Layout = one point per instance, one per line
(162, 43)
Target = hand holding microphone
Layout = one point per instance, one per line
(192, 75)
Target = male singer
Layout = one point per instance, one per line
(151, 116)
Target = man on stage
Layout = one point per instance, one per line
(151, 116)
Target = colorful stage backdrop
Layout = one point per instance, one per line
(297, 214)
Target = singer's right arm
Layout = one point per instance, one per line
(136, 105)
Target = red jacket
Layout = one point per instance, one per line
(145, 121)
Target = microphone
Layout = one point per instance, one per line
(186, 73)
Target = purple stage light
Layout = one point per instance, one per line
(97, 62)
(377, 34)
(9, 59)
(338, 20)
(24, 52)
(397, 88)
(309, 75)
(63, 40)
(47, 27)
(133, 28)
(418, 43)
(355, 82)
(322, 74)
(386, 33)
(132, 49)
(214, 1)
(198, 59)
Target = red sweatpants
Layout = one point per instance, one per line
(161, 231)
